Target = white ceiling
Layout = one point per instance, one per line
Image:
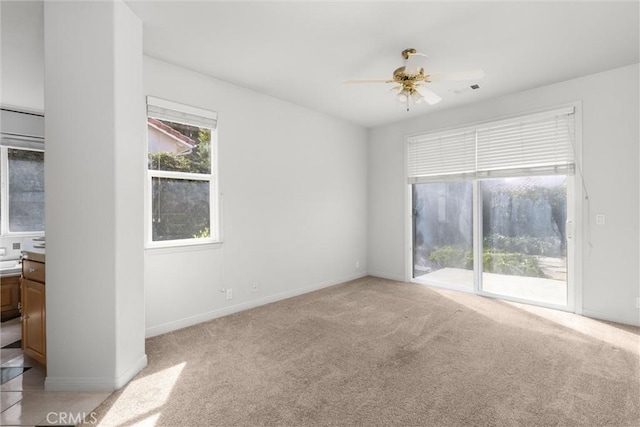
(303, 51)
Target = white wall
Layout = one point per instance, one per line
(94, 132)
(22, 55)
(610, 130)
(295, 204)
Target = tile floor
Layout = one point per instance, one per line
(23, 400)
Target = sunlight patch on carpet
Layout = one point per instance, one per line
(527, 317)
(621, 336)
(149, 421)
(142, 400)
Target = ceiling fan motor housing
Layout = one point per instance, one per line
(408, 81)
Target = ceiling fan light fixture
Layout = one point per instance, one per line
(408, 95)
(417, 97)
(403, 96)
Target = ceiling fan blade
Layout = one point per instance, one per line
(369, 81)
(456, 76)
(415, 62)
(429, 96)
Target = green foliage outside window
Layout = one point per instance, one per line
(198, 161)
(509, 263)
(180, 206)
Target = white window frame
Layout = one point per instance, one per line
(215, 225)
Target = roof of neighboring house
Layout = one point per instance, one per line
(171, 132)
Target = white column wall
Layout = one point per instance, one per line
(130, 164)
(93, 104)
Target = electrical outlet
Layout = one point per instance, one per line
(229, 293)
(16, 246)
(638, 302)
(600, 219)
(3, 251)
(255, 287)
(357, 264)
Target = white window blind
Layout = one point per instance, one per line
(443, 154)
(179, 113)
(531, 145)
(538, 143)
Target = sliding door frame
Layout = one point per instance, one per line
(577, 201)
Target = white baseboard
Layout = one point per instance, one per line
(128, 375)
(95, 384)
(225, 311)
(389, 276)
(618, 319)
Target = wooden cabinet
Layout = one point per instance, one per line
(10, 297)
(33, 270)
(34, 341)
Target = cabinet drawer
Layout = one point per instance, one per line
(33, 270)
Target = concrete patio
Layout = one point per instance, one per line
(546, 291)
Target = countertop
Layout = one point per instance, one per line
(34, 255)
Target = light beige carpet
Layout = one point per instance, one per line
(373, 352)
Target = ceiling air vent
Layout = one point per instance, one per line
(464, 89)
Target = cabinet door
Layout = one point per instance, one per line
(10, 297)
(33, 320)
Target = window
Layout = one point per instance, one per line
(21, 174)
(182, 202)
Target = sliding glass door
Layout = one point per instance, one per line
(521, 227)
(524, 238)
(492, 207)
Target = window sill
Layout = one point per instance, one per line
(181, 247)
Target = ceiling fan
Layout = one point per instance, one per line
(410, 80)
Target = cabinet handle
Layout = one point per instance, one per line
(31, 269)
